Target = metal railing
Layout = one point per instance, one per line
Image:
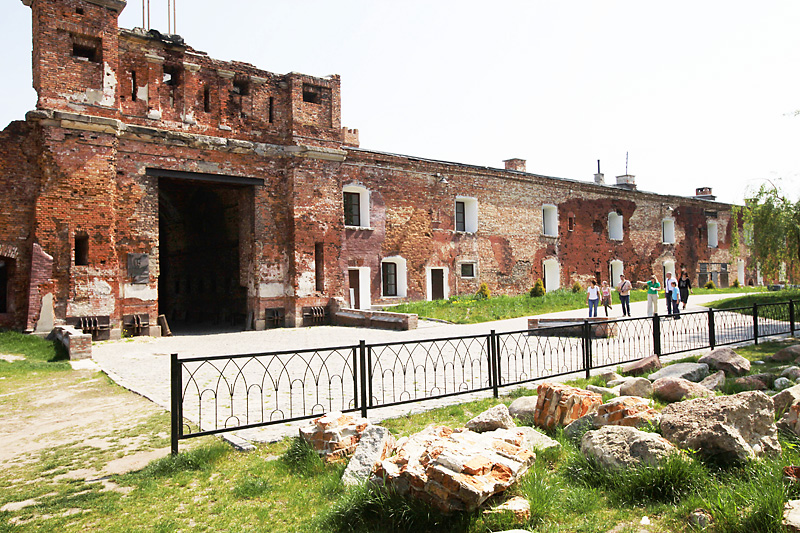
(234, 392)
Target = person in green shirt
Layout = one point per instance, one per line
(653, 286)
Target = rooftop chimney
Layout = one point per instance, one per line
(598, 178)
(515, 164)
(704, 193)
(627, 181)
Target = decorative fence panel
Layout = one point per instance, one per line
(211, 395)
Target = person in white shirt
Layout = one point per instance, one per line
(624, 289)
(593, 298)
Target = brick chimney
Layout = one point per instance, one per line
(704, 193)
(627, 181)
(515, 164)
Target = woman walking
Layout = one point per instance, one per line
(685, 287)
(605, 293)
(593, 298)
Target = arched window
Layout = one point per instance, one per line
(615, 226)
(713, 234)
(393, 277)
(668, 231)
(356, 206)
(550, 220)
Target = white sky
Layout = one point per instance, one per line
(699, 93)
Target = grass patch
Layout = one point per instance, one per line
(763, 297)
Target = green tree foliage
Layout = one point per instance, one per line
(483, 291)
(538, 289)
(772, 222)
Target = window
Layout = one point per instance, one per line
(466, 214)
(668, 231)
(270, 117)
(552, 274)
(393, 277)
(571, 222)
(597, 226)
(207, 99)
(81, 249)
(615, 226)
(550, 220)
(133, 86)
(356, 206)
(170, 80)
(241, 86)
(467, 270)
(4, 277)
(319, 266)
(87, 48)
(311, 94)
(713, 234)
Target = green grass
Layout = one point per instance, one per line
(40, 355)
(763, 297)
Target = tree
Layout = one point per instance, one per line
(772, 232)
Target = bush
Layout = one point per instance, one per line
(736, 284)
(483, 291)
(710, 285)
(537, 289)
(577, 287)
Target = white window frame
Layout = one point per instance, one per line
(401, 273)
(713, 233)
(547, 270)
(474, 269)
(363, 204)
(668, 231)
(615, 226)
(470, 213)
(549, 220)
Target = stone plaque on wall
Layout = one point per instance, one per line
(139, 268)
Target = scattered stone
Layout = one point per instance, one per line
(493, 418)
(714, 381)
(730, 428)
(575, 430)
(793, 373)
(700, 518)
(786, 398)
(559, 404)
(642, 366)
(636, 387)
(603, 390)
(755, 382)
(621, 446)
(538, 441)
(518, 507)
(695, 372)
(758, 362)
(632, 411)
(782, 384)
(608, 377)
(375, 445)
(673, 389)
(790, 421)
(791, 515)
(791, 473)
(727, 360)
(784, 355)
(334, 436)
(457, 470)
(620, 381)
(523, 407)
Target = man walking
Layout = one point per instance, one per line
(653, 286)
(668, 290)
(624, 289)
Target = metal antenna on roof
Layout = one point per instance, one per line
(598, 166)
(626, 163)
(169, 16)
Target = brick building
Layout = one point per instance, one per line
(152, 179)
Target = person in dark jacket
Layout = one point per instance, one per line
(685, 288)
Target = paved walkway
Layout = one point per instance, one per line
(141, 364)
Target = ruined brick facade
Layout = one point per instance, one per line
(152, 179)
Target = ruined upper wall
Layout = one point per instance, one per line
(82, 62)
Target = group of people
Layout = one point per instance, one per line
(676, 292)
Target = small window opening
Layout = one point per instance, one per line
(571, 223)
(311, 94)
(171, 80)
(352, 209)
(79, 10)
(389, 279)
(269, 111)
(207, 99)
(467, 270)
(597, 226)
(4, 278)
(461, 222)
(81, 249)
(319, 264)
(87, 48)
(241, 86)
(133, 86)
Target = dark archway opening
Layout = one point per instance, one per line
(5, 277)
(199, 284)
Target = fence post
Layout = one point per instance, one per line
(356, 377)
(712, 333)
(656, 335)
(755, 323)
(791, 316)
(587, 348)
(493, 370)
(362, 356)
(176, 402)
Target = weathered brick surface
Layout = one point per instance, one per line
(625, 411)
(334, 436)
(116, 107)
(558, 404)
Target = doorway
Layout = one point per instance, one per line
(437, 283)
(359, 288)
(552, 275)
(4, 278)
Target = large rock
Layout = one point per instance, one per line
(603, 390)
(334, 435)
(784, 355)
(714, 381)
(695, 372)
(642, 366)
(621, 446)
(631, 411)
(782, 383)
(493, 418)
(517, 507)
(636, 387)
(791, 515)
(755, 381)
(784, 399)
(559, 404)
(535, 440)
(729, 428)
(676, 389)
(793, 373)
(726, 360)
(457, 470)
(375, 445)
(609, 376)
(791, 419)
(523, 407)
(575, 429)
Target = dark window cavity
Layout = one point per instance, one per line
(241, 86)
(389, 279)
(87, 48)
(467, 270)
(207, 99)
(4, 279)
(352, 209)
(81, 249)
(461, 223)
(319, 264)
(311, 94)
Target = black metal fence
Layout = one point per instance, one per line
(235, 392)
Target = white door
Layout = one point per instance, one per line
(552, 275)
